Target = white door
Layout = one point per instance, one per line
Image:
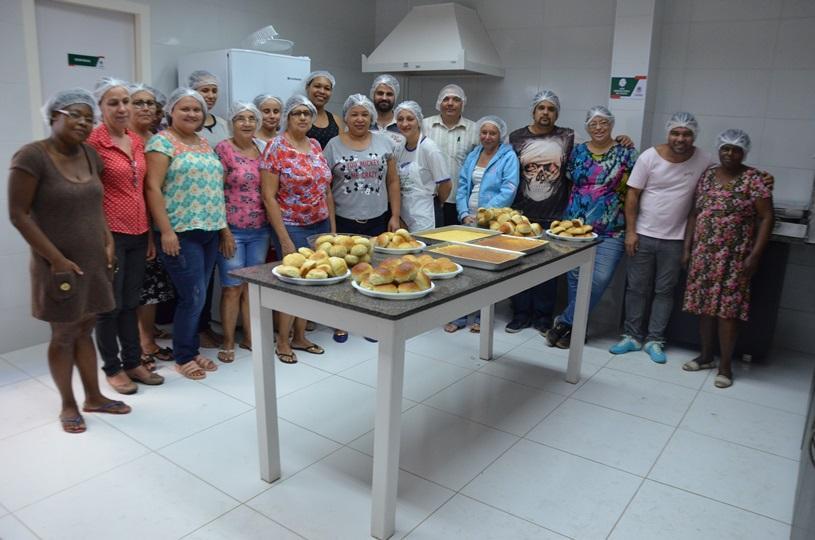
(80, 44)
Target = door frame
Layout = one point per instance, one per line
(141, 17)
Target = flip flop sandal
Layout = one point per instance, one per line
(696, 365)
(475, 328)
(310, 326)
(158, 333)
(205, 363)
(111, 407)
(227, 356)
(245, 346)
(313, 349)
(722, 381)
(340, 336)
(191, 370)
(452, 327)
(73, 425)
(286, 358)
(149, 361)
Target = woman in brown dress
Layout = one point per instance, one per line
(55, 201)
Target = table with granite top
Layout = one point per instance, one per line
(393, 322)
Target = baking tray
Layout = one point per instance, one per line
(472, 263)
(528, 251)
(466, 228)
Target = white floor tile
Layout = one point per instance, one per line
(3, 512)
(147, 498)
(639, 363)
(667, 513)
(497, 402)
(331, 500)
(12, 529)
(338, 356)
(538, 367)
(33, 360)
(640, 396)
(10, 374)
(423, 376)
(460, 348)
(763, 428)
(26, 405)
(591, 354)
(620, 440)
(443, 448)
(44, 471)
(337, 408)
(746, 478)
(556, 490)
(462, 517)
(226, 455)
(243, 523)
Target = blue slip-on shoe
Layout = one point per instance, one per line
(626, 345)
(654, 350)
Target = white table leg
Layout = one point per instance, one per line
(387, 432)
(487, 332)
(263, 361)
(581, 317)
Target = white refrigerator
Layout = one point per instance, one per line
(245, 74)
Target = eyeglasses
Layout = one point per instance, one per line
(301, 113)
(599, 124)
(76, 116)
(144, 104)
(249, 120)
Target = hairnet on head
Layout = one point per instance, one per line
(683, 120)
(161, 99)
(736, 137)
(107, 83)
(387, 80)
(292, 103)
(319, 73)
(451, 90)
(201, 77)
(602, 112)
(546, 95)
(414, 109)
(263, 98)
(238, 107)
(180, 93)
(65, 98)
(494, 120)
(358, 100)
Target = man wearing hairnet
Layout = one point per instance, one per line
(455, 136)
(384, 93)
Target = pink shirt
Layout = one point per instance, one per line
(667, 192)
(244, 201)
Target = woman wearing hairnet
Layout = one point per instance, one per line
(185, 195)
(122, 153)
(144, 105)
(270, 108)
(728, 230)
(319, 87)
(246, 241)
(55, 201)
(215, 129)
(599, 169)
(423, 173)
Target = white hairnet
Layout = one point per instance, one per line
(387, 80)
(546, 95)
(107, 83)
(683, 120)
(200, 78)
(180, 93)
(451, 90)
(494, 120)
(414, 109)
(736, 137)
(64, 98)
(160, 98)
(240, 106)
(602, 112)
(319, 73)
(292, 103)
(263, 98)
(358, 100)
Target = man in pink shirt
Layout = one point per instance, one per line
(657, 203)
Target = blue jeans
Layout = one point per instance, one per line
(251, 247)
(190, 271)
(609, 253)
(536, 305)
(299, 233)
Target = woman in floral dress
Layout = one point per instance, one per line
(727, 232)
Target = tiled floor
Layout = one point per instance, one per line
(501, 450)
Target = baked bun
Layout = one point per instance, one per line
(435, 267)
(324, 246)
(338, 251)
(310, 264)
(294, 259)
(494, 225)
(386, 288)
(405, 272)
(383, 239)
(408, 287)
(338, 266)
(325, 267)
(403, 233)
(316, 274)
(361, 240)
(524, 228)
(422, 281)
(361, 271)
(536, 228)
(381, 276)
(305, 252)
(290, 271)
(390, 262)
(358, 249)
(325, 238)
(351, 260)
(410, 258)
(365, 284)
(506, 227)
(448, 265)
(425, 258)
(319, 256)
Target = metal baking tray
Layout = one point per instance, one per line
(475, 263)
(534, 249)
(466, 228)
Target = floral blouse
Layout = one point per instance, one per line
(244, 201)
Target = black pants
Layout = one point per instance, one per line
(449, 214)
(120, 326)
(371, 227)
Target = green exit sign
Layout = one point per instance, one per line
(86, 60)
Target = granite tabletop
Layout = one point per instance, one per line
(471, 279)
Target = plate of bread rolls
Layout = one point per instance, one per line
(392, 279)
(397, 243)
(571, 230)
(307, 267)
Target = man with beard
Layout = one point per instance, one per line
(456, 137)
(384, 93)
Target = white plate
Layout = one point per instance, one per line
(550, 234)
(446, 275)
(303, 281)
(390, 251)
(393, 296)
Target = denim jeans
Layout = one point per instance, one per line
(251, 247)
(190, 271)
(120, 326)
(536, 304)
(299, 234)
(609, 253)
(655, 267)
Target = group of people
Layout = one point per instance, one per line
(135, 198)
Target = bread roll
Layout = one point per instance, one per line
(319, 256)
(305, 252)
(410, 258)
(536, 228)
(405, 272)
(351, 260)
(316, 274)
(361, 271)
(524, 228)
(506, 228)
(381, 276)
(383, 239)
(390, 262)
(365, 284)
(290, 271)
(338, 251)
(386, 288)
(396, 243)
(447, 265)
(306, 266)
(494, 225)
(324, 239)
(422, 281)
(414, 244)
(403, 233)
(364, 258)
(425, 258)
(294, 259)
(517, 219)
(325, 267)
(338, 266)
(359, 250)
(435, 267)
(324, 246)
(408, 287)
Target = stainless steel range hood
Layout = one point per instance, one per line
(436, 39)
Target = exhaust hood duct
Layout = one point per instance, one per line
(440, 39)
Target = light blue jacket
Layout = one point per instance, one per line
(499, 184)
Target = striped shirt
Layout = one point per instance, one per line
(455, 143)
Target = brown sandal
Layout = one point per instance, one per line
(289, 358)
(227, 356)
(205, 363)
(191, 370)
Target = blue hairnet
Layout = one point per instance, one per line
(200, 78)
(414, 109)
(387, 80)
(451, 90)
(683, 120)
(358, 100)
(292, 103)
(64, 98)
(602, 112)
(546, 95)
(319, 73)
(183, 92)
(263, 98)
(494, 120)
(736, 137)
(107, 83)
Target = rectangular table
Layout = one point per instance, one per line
(393, 323)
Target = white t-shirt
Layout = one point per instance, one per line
(667, 192)
(472, 203)
(216, 132)
(420, 170)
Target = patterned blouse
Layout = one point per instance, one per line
(244, 201)
(194, 186)
(598, 187)
(304, 181)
